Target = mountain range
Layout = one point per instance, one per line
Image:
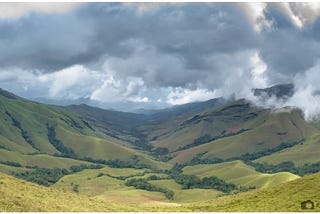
(225, 150)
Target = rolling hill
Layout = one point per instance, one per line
(20, 196)
(307, 152)
(143, 125)
(109, 184)
(281, 198)
(251, 130)
(163, 158)
(239, 173)
(44, 134)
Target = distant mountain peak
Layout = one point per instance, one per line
(280, 91)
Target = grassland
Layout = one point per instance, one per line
(109, 184)
(33, 134)
(186, 195)
(9, 169)
(17, 195)
(24, 132)
(239, 173)
(21, 196)
(213, 122)
(307, 152)
(40, 160)
(285, 197)
(277, 128)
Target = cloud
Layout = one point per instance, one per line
(299, 13)
(71, 83)
(159, 53)
(181, 96)
(307, 94)
(16, 10)
(115, 90)
(258, 71)
(255, 12)
(139, 99)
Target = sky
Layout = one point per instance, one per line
(160, 54)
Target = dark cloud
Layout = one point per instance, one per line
(191, 32)
(136, 51)
(286, 49)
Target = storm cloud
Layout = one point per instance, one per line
(169, 53)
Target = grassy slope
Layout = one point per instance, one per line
(308, 152)
(17, 195)
(266, 132)
(70, 129)
(9, 169)
(281, 198)
(113, 123)
(238, 173)
(41, 160)
(186, 195)
(114, 189)
(228, 118)
(98, 148)
(167, 120)
(108, 188)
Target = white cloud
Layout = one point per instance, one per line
(181, 96)
(300, 13)
(115, 90)
(285, 8)
(15, 10)
(254, 12)
(71, 83)
(307, 101)
(139, 99)
(306, 11)
(258, 71)
(307, 95)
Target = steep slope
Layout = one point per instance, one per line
(143, 125)
(215, 123)
(28, 128)
(121, 125)
(246, 129)
(281, 91)
(307, 152)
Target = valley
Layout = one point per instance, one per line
(164, 160)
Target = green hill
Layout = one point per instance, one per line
(137, 156)
(265, 130)
(239, 173)
(28, 128)
(109, 184)
(40, 160)
(17, 195)
(307, 152)
(121, 125)
(281, 198)
(21, 196)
